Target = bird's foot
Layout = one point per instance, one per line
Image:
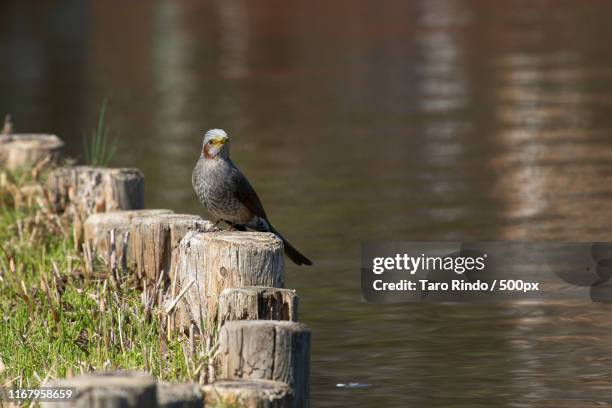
(215, 226)
(236, 227)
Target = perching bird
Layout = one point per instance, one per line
(228, 195)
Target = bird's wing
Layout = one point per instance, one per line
(245, 193)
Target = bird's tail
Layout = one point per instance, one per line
(290, 250)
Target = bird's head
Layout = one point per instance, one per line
(216, 144)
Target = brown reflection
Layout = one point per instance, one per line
(444, 92)
(444, 87)
(554, 169)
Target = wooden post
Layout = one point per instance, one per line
(118, 389)
(257, 303)
(85, 190)
(266, 350)
(26, 150)
(181, 395)
(215, 261)
(154, 241)
(249, 394)
(97, 229)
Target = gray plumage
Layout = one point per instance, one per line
(228, 195)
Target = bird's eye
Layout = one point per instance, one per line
(210, 142)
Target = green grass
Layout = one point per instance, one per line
(59, 318)
(99, 149)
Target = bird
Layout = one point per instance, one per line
(227, 194)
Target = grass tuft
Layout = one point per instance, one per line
(99, 149)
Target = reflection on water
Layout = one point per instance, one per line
(556, 165)
(363, 120)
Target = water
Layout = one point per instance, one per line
(363, 120)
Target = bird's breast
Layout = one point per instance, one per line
(213, 186)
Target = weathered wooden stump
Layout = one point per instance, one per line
(118, 389)
(266, 350)
(215, 261)
(23, 150)
(97, 230)
(154, 241)
(181, 395)
(257, 303)
(85, 190)
(249, 394)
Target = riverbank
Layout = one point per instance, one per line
(62, 315)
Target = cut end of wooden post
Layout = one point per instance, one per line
(248, 393)
(24, 151)
(248, 239)
(109, 389)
